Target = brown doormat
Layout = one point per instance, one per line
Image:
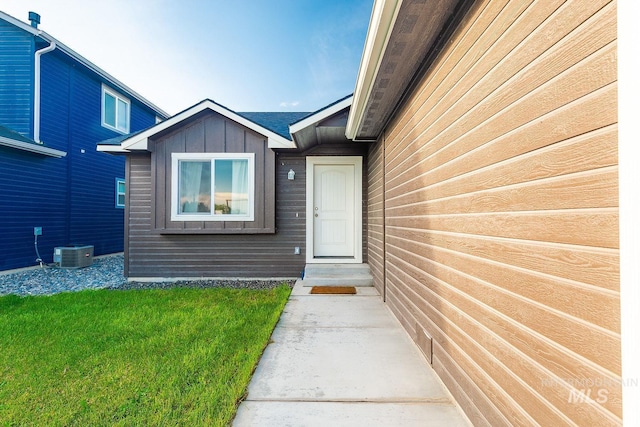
(343, 290)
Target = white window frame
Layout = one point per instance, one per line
(117, 96)
(118, 193)
(175, 203)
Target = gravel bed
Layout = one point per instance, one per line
(105, 273)
(236, 284)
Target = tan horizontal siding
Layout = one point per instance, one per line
(589, 303)
(519, 71)
(587, 227)
(585, 152)
(576, 191)
(498, 230)
(517, 375)
(375, 210)
(465, 391)
(588, 114)
(596, 267)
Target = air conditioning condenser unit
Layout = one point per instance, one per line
(73, 256)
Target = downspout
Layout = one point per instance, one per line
(36, 90)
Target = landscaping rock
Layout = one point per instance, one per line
(105, 273)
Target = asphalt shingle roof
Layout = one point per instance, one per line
(277, 122)
(117, 140)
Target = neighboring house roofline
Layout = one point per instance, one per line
(11, 138)
(139, 141)
(76, 56)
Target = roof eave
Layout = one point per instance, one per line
(106, 76)
(383, 17)
(320, 115)
(111, 149)
(68, 51)
(34, 148)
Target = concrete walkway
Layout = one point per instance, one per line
(344, 361)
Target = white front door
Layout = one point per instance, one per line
(334, 221)
(334, 209)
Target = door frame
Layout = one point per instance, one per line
(356, 161)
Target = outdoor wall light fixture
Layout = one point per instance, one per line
(291, 175)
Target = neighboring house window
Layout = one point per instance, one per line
(115, 111)
(212, 186)
(120, 192)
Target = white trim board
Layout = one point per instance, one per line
(320, 115)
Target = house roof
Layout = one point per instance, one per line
(117, 140)
(139, 141)
(326, 125)
(13, 139)
(76, 56)
(403, 40)
(276, 121)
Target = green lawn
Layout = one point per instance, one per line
(148, 357)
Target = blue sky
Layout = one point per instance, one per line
(249, 55)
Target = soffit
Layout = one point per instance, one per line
(417, 30)
(326, 126)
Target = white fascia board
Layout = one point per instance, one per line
(320, 115)
(109, 78)
(34, 148)
(383, 18)
(112, 81)
(111, 149)
(280, 142)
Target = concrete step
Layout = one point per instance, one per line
(339, 281)
(337, 275)
(320, 270)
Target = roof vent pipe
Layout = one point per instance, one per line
(34, 18)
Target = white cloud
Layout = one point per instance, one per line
(285, 104)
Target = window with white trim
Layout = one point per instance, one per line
(212, 186)
(116, 110)
(120, 192)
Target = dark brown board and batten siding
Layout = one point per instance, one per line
(212, 133)
(499, 190)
